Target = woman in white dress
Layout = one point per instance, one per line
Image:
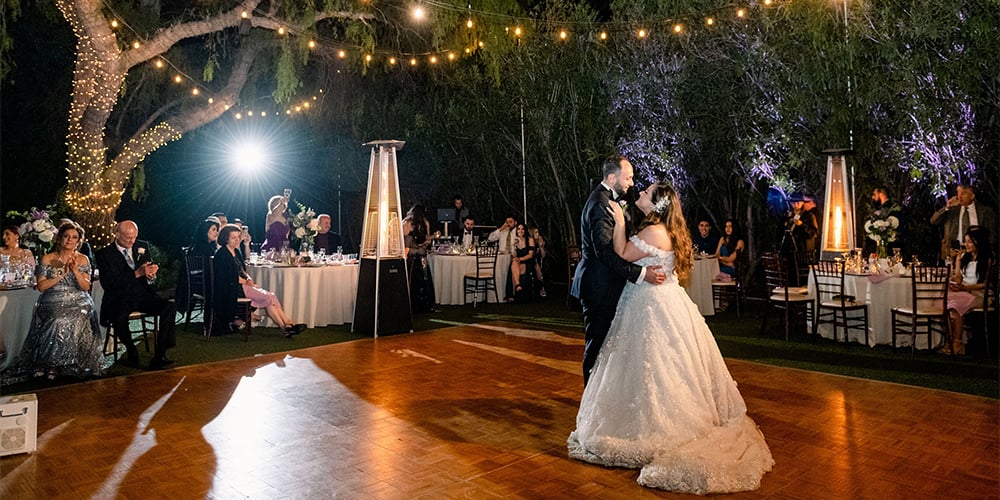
(660, 397)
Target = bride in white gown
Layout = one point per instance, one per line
(660, 397)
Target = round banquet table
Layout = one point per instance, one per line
(316, 296)
(699, 284)
(882, 294)
(448, 272)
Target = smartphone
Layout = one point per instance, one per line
(956, 245)
(288, 193)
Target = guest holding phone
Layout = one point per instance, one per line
(967, 285)
(128, 276)
(276, 223)
(232, 282)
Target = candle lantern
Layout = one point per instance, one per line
(382, 304)
(838, 212)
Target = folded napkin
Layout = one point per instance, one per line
(879, 277)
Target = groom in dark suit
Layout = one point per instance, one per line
(601, 273)
(127, 276)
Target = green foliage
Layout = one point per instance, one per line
(288, 82)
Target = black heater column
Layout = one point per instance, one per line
(382, 304)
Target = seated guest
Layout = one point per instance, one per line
(706, 240)
(245, 238)
(221, 217)
(65, 337)
(276, 224)
(504, 234)
(127, 276)
(12, 247)
(539, 257)
(468, 236)
(204, 243)
(232, 282)
(417, 237)
(968, 285)
(326, 241)
(524, 254)
(729, 248)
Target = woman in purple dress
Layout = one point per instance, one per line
(276, 224)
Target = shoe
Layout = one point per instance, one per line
(160, 362)
(298, 328)
(541, 292)
(236, 326)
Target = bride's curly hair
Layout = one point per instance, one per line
(672, 217)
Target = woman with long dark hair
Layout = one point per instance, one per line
(968, 284)
(417, 237)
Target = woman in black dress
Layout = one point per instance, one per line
(416, 229)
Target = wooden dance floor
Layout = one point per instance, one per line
(477, 411)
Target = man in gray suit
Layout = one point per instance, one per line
(961, 212)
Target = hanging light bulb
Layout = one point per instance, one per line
(563, 34)
(603, 35)
(114, 24)
(312, 44)
(418, 12)
(740, 13)
(642, 33)
(678, 28)
(709, 21)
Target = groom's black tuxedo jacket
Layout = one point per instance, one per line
(122, 290)
(601, 273)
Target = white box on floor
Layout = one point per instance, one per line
(18, 424)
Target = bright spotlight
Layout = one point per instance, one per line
(248, 157)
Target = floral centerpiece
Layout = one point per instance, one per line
(38, 231)
(305, 226)
(882, 227)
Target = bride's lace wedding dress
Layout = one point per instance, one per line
(660, 397)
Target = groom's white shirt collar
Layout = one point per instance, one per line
(614, 195)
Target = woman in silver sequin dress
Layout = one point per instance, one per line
(65, 337)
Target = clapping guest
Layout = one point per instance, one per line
(729, 248)
(524, 254)
(128, 275)
(232, 282)
(12, 247)
(968, 284)
(205, 240)
(276, 223)
(64, 337)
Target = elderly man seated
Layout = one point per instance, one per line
(326, 241)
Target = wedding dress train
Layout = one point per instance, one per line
(660, 397)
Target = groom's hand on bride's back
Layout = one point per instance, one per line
(655, 275)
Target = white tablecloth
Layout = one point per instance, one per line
(448, 272)
(699, 284)
(16, 308)
(316, 296)
(881, 298)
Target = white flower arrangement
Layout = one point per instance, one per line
(38, 231)
(882, 227)
(306, 225)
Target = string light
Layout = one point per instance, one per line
(709, 21)
(114, 24)
(603, 35)
(135, 45)
(312, 44)
(281, 30)
(563, 35)
(158, 64)
(740, 13)
(642, 33)
(434, 60)
(678, 28)
(341, 54)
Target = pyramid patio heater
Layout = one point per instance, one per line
(382, 304)
(838, 210)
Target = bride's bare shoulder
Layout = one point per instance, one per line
(656, 235)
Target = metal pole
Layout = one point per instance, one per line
(850, 126)
(524, 169)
